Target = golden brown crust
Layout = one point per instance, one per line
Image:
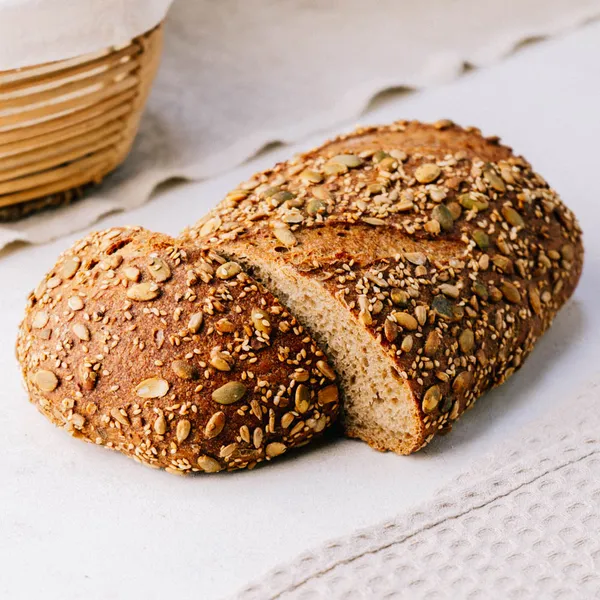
(451, 250)
(137, 343)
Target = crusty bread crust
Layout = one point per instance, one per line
(449, 250)
(164, 353)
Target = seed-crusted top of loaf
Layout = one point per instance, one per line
(448, 248)
(171, 355)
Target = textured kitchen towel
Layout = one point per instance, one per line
(238, 74)
(523, 523)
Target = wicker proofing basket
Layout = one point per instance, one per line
(66, 124)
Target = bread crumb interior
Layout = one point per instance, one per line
(378, 406)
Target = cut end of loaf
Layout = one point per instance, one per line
(379, 407)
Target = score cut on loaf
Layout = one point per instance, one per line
(171, 355)
(426, 259)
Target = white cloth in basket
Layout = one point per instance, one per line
(33, 32)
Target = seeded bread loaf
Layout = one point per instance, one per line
(426, 260)
(173, 356)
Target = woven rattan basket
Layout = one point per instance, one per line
(66, 124)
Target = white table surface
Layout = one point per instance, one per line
(77, 521)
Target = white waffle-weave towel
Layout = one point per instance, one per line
(523, 524)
